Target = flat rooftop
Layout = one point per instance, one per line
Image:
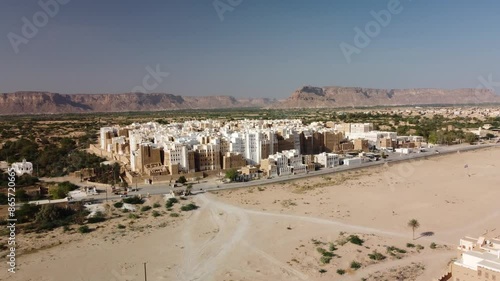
(489, 261)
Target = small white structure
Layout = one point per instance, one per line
(22, 168)
(353, 161)
(327, 160)
(403, 150)
(90, 190)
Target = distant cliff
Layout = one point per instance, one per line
(304, 97)
(49, 103)
(315, 97)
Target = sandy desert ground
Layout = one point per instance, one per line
(273, 232)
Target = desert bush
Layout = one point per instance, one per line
(189, 207)
(98, 217)
(156, 205)
(118, 205)
(355, 265)
(133, 200)
(393, 249)
(325, 259)
(340, 271)
(433, 245)
(174, 215)
(84, 229)
(354, 239)
(156, 214)
(321, 250)
(410, 245)
(170, 202)
(145, 208)
(376, 256)
(182, 180)
(121, 226)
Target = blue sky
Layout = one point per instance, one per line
(261, 48)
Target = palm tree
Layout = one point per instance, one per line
(414, 224)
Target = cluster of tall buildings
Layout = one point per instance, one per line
(277, 147)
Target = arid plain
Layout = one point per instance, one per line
(273, 232)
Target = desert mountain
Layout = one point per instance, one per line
(311, 97)
(50, 103)
(304, 97)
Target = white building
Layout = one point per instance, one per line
(353, 161)
(281, 163)
(237, 144)
(327, 160)
(361, 128)
(177, 153)
(22, 168)
(295, 161)
(253, 147)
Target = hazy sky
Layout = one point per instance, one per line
(260, 48)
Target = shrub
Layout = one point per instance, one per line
(321, 250)
(340, 271)
(156, 205)
(325, 259)
(376, 256)
(354, 239)
(98, 217)
(118, 205)
(332, 247)
(121, 226)
(189, 207)
(317, 242)
(433, 245)
(170, 202)
(410, 245)
(322, 271)
(145, 208)
(355, 265)
(182, 180)
(392, 249)
(51, 216)
(174, 215)
(26, 213)
(95, 219)
(156, 214)
(61, 190)
(420, 247)
(133, 216)
(84, 229)
(133, 200)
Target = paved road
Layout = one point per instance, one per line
(163, 188)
